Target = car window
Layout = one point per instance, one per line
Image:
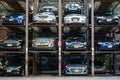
(104, 39)
(70, 39)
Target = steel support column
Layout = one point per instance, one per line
(92, 35)
(60, 37)
(26, 40)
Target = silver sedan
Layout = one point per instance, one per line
(75, 19)
(44, 18)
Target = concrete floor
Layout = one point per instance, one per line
(62, 78)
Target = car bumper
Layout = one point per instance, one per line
(72, 48)
(107, 22)
(46, 22)
(106, 48)
(43, 48)
(11, 48)
(12, 22)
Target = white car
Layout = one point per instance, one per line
(44, 18)
(75, 19)
(72, 69)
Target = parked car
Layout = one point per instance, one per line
(107, 19)
(44, 18)
(99, 67)
(14, 66)
(75, 19)
(52, 9)
(72, 8)
(75, 43)
(72, 69)
(44, 43)
(13, 42)
(13, 19)
(106, 43)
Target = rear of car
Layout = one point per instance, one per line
(44, 43)
(107, 43)
(52, 9)
(111, 19)
(72, 8)
(75, 43)
(75, 19)
(44, 18)
(13, 19)
(76, 69)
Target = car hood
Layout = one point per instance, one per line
(75, 65)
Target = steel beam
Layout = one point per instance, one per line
(60, 37)
(26, 40)
(92, 36)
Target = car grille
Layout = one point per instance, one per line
(75, 19)
(76, 70)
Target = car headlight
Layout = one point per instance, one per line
(99, 42)
(68, 43)
(18, 67)
(115, 16)
(117, 43)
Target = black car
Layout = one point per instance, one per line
(75, 43)
(14, 65)
(107, 19)
(106, 43)
(13, 41)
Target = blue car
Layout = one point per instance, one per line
(107, 19)
(13, 19)
(106, 43)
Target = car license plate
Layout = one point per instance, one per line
(10, 19)
(76, 46)
(42, 44)
(43, 20)
(9, 45)
(77, 71)
(110, 46)
(75, 20)
(8, 70)
(109, 20)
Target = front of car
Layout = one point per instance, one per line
(13, 70)
(13, 19)
(12, 43)
(107, 43)
(44, 18)
(76, 69)
(107, 19)
(75, 43)
(43, 43)
(75, 19)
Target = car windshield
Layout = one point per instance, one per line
(76, 59)
(15, 36)
(78, 39)
(108, 39)
(72, 6)
(13, 60)
(44, 39)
